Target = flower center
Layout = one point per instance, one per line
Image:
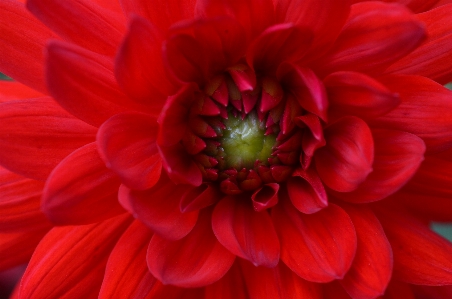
(244, 142)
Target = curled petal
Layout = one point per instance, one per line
(352, 93)
(127, 144)
(194, 261)
(319, 247)
(347, 158)
(158, 208)
(245, 232)
(81, 190)
(266, 197)
(306, 191)
(36, 134)
(397, 157)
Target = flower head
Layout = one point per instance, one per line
(206, 149)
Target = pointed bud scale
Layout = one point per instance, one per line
(281, 173)
(201, 128)
(206, 161)
(205, 106)
(266, 174)
(272, 94)
(252, 181)
(243, 76)
(291, 144)
(193, 144)
(249, 99)
(218, 90)
(289, 158)
(291, 110)
(230, 188)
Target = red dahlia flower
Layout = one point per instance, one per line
(226, 149)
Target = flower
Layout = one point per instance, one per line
(214, 149)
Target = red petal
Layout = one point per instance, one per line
(397, 290)
(36, 134)
(372, 267)
(81, 190)
(70, 261)
(232, 285)
(161, 13)
(278, 44)
(127, 275)
(431, 184)
(140, 70)
(158, 208)
(324, 19)
(432, 58)
(16, 248)
(127, 144)
(13, 90)
(253, 15)
(306, 191)
(198, 50)
(352, 93)
(397, 157)
(22, 54)
(20, 203)
(265, 197)
(194, 261)
(277, 283)
(375, 35)
(318, 247)
(420, 255)
(245, 232)
(306, 87)
(347, 158)
(83, 83)
(334, 291)
(100, 30)
(440, 292)
(417, 114)
(200, 197)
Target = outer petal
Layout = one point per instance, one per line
(432, 58)
(375, 35)
(325, 19)
(232, 285)
(126, 275)
(397, 157)
(351, 93)
(372, 267)
(431, 184)
(397, 289)
(139, 65)
(35, 135)
(194, 261)
(420, 255)
(161, 13)
(319, 247)
(13, 90)
(70, 261)
(158, 208)
(127, 144)
(277, 44)
(277, 283)
(83, 83)
(20, 203)
(16, 248)
(22, 55)
(253, 15)
(100, 30)
(245, 232)
(81, 190)
(347, 158)
(417, 114)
